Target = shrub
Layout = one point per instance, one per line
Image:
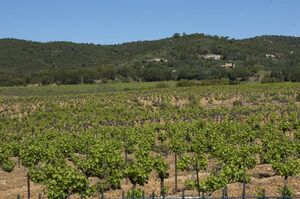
(126, 89)
(223, 81)
(270, 80)
(103, 186)
(186, 83)
(162, 85)
(138, 193)
(286, 192)
(190, 184)
(8, 165)
(261, 193)
(298, 98)
(164, 191)
(237, 103)
(104, 81)
(193, 101)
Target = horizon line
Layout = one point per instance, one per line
(157, 39)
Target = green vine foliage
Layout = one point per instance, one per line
(67, 141)
(137, 193)
(286, 192)
(61, 181)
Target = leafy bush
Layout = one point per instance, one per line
(298, 98)
(286, 192)
(164, 190)
(190, 184)
(61, 181)
(237, 103)
(162, 85)
(270, 80)
(103, 186)
(5, 162)
(223, 81)
(261, 193)
(138, 193)
(186, 83)
(8, 165)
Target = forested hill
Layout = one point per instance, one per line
(181, 56)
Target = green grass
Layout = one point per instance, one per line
(49, 90)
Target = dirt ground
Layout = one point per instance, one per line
(14, 183)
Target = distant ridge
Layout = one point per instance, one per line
(178, 57)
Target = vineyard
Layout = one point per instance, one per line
(203, 139)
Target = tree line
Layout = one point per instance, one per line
(178, 57)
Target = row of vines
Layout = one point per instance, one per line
(64, 141)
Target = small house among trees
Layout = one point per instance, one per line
(212, 56)
(158, 59)
(228, 65)
(270, 56)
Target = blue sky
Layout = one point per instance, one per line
(117, 21)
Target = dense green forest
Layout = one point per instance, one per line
(182, 56)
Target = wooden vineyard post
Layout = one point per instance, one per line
(244, 180)
(175, 172)
(132, 194)
(223, 194)
(123, 194)
(28, 186)
(198, 186)
(126, 159)
(18, 162)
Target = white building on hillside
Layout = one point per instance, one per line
(270, 56)
(228, 65)
(158, 59)
(212, 56)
